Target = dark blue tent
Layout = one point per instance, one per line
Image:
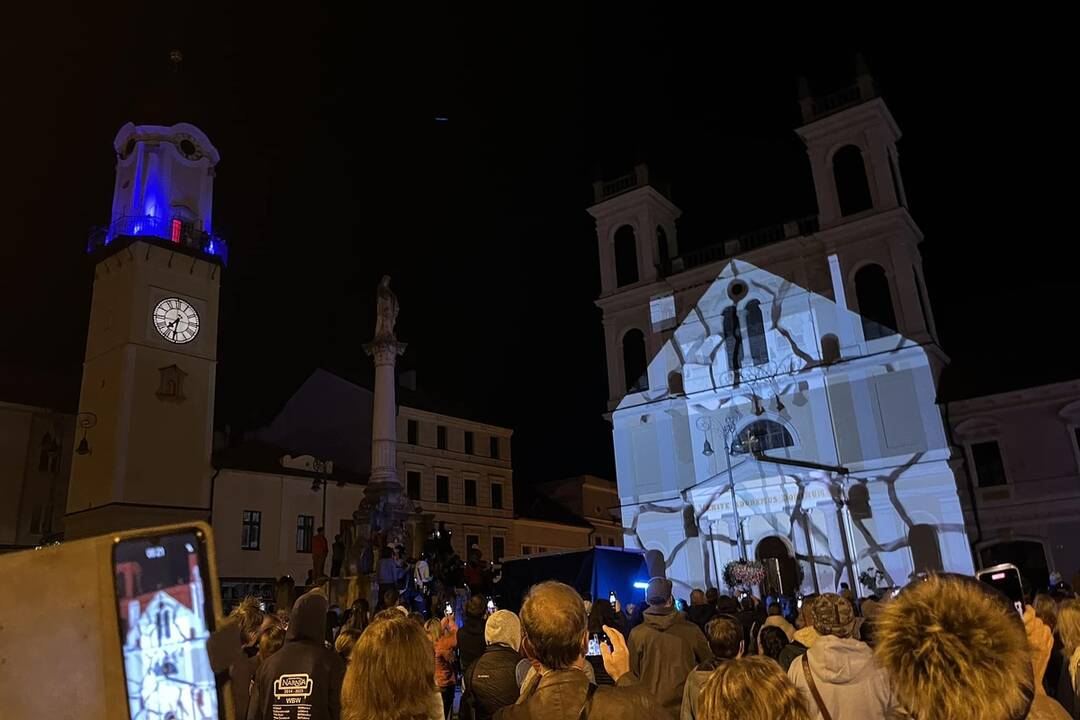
(596, 571)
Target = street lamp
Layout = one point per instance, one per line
(85, 420)
(704, 423)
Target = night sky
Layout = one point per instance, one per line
(335, 170)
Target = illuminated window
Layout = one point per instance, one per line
(442, 488)
(989, 467)
(305, 526)
(875, 302)
(767, 434)
(251, 530)
(177, 226)
(852, 189)
(470, 492)
(626, 270)
(412, 483)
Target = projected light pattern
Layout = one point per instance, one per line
(872, 411)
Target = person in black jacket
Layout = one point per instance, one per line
(700, 612)
(471, 635)
(304, 671)
(490, 682)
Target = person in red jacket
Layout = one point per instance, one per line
(443, 635)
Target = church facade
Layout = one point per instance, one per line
(773, 397)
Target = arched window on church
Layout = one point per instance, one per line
(732, 337)
(767, 435)
(626, 270)
(635, 369)
(661, 246)
(875, 302)
(755, 331)
(49, 455)
(849, 173)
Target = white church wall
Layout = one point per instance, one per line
(871, 410)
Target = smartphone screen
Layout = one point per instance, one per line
(611, 597)
(1006, 578)
(490, 605)
(165, 619)
(448, 610)
(594, 646)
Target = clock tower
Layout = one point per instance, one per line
(147, 400)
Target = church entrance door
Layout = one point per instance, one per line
(781, 571)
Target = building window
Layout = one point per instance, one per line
(494, 447)
(471, 541)
(767, 435)
(526, 549)
(498, 548)
(755, 329)
(852, 189)
(611, 542)
(442, 488)
(875, 302)
(468, 442)
(414, 432)
(305, 525)
(49, 457)
(440, 437)
(626, 271)
(541, 549)
(470, 492)
(251, 530)
(496, 496)
(732, 337)
(635, 366)
(596, 540)
(412, 484)
(989, 468)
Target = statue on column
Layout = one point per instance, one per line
(386, 311)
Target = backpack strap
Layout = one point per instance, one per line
(587, 707)
(813, 689)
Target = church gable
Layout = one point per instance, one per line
(752, 325)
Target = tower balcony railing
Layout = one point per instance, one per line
(740, 244)
(175, 230)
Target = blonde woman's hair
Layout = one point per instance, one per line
(391, 673)
(751, 688)
(955, 649)
(1068, 626)
(434, 629)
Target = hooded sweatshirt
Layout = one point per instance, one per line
(663, 651)
(849, 681)
(303, 679)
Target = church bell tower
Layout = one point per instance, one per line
(146, 407)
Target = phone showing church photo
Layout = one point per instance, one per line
(165, 620)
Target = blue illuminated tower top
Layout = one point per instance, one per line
(164, 189)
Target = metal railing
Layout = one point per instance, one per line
(185, 234)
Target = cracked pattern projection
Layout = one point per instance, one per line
(760, 364)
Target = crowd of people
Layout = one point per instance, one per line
(945, 646)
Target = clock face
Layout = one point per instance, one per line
(176, 320)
